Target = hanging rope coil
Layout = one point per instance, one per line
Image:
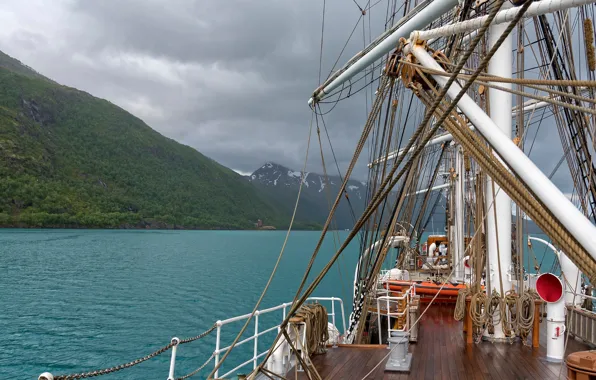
(509, 312)
(317, 332)
(479, 309)
(460, 305)
(525, 314)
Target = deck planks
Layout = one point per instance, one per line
(441, 353)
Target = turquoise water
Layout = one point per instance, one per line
(78, 300)
(75, 300)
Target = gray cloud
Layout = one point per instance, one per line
(229, 78)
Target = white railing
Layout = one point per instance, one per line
(389, 302)
(257, 333)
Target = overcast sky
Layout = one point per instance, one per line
(230, 78)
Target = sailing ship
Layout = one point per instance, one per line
(459, 90)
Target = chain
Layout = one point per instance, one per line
(100, 372)
(198, 369)
(207, 332)
(114, 369)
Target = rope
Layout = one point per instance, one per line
(525, 307)
(198, 369)
(479, 309)
(283, 248)
(317, 332)
(589, 41)
(460, 305)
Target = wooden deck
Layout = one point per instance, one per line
(441, 353)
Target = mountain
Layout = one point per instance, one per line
(280, 185)
(68, 159)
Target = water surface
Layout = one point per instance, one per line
(78, 300)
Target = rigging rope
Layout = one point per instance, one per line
(274, 270)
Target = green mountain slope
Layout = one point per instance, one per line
(70, 159)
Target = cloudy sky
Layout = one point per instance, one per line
(229, 78)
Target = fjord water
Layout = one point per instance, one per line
(79, 300)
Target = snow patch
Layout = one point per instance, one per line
(275, 181)
(322, 184)
(294, 174)
(352, 187)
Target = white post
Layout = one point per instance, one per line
(555, 330)
(256, 350)
(379, 320)
(343, 315)
(175, 342)
(333, 312)
(217, 337)
(458, 248)
(388, 321)
(500, 104)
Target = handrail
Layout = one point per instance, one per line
(407, 297)
(175, 343)
(258, 333)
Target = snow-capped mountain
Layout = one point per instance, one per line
(280, 185)
(276, 175)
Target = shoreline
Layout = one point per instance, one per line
(149, 228)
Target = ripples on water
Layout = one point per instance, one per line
(79, 300)
(76, 300)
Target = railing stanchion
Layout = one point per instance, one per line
(175, 342)
(388, 322)
(218, 336)
(256, 351)
(343, 315)
(379, 320)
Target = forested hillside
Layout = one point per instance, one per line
(70, 159)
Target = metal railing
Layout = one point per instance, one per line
(175, 343)
(389, 302)
(258, 333)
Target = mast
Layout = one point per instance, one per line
(458, 230)
(498, 236)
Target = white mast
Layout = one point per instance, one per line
(500, 103)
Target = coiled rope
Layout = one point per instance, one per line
(317, 333)
(479, 309)
(460, 305)
(525, 314)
